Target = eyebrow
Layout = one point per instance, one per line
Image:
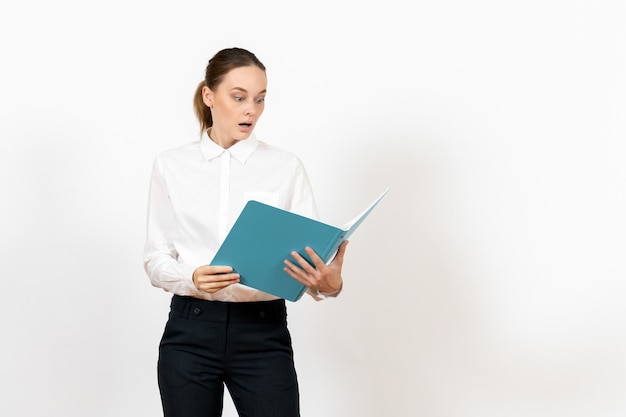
(245, 91)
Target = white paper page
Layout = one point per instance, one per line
(354, 223)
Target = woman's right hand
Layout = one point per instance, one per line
(210, 278)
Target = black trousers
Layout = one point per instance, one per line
(246, 347)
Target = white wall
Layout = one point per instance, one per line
(489, 282)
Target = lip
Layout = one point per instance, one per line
(245, 127)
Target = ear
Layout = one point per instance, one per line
(207, 96)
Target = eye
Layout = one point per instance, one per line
(260, 100)
(239, 98)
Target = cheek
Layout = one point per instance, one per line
(223, 109)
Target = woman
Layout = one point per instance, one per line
(220, 332)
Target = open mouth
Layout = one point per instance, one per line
(245, 124)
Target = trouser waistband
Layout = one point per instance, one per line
(222, 312)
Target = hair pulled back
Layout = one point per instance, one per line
(218, 66)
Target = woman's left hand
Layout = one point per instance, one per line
(326, 279)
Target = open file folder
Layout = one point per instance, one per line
(264, 236)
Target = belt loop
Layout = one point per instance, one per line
(182, 305)
(186, 307)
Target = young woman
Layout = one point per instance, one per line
(219, 332)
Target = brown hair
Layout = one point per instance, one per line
(218, 66)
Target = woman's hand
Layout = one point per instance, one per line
(326, 279)
(211, 278)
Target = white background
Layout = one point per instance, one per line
(489, 282)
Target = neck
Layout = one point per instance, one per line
(215, 137)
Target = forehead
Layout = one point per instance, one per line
(251, 79)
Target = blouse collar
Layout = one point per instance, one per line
(240, 150)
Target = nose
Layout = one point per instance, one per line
(250, 109)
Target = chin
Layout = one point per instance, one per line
(243, 136)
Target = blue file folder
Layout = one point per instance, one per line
(263, 237)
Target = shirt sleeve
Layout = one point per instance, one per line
(302, 200)
(160, 257)
(303, 203)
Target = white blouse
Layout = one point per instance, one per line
(196, 193)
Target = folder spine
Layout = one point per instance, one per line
(332, 247)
